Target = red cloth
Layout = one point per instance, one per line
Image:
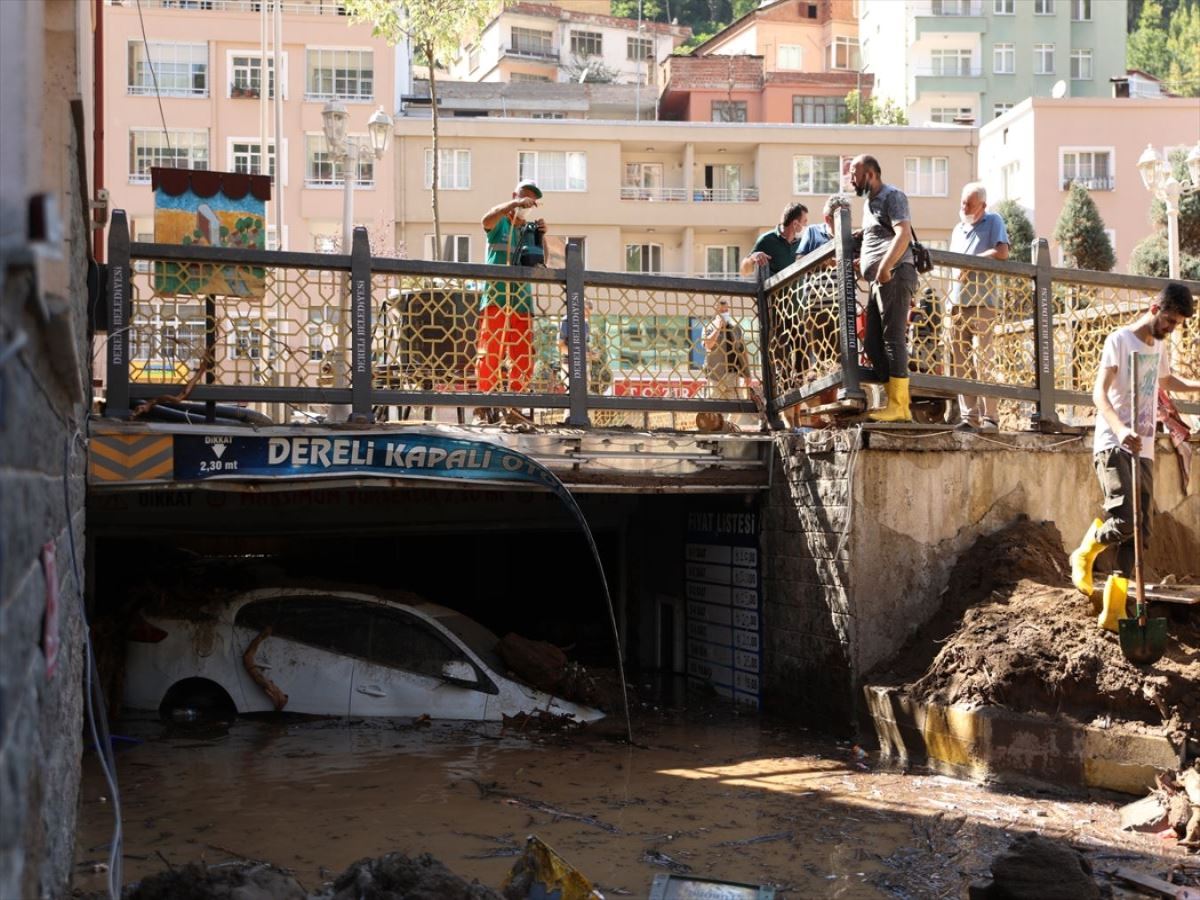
(1173, 422)
(504, 333)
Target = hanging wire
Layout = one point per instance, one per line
(154, 77)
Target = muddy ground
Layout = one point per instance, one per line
(1013, 632)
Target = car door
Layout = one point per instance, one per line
(308, 656)
(412, 669)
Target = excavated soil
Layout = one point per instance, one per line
(1013, 632)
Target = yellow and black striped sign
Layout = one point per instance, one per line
(130, 457)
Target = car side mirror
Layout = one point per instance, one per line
(457, 670)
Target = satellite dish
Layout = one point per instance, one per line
(1059, 90)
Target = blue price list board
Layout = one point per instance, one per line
(724, 605)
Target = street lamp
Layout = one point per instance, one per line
(1161, 182)
(347, 150)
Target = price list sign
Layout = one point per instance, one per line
(722, 581)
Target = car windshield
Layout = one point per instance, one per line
(480, 640)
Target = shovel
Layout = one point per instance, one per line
(1142, 640)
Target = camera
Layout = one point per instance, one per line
(530, 252)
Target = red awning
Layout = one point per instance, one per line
(204, 183)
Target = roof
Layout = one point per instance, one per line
(562, 14)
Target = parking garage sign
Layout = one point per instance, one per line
(724, 609)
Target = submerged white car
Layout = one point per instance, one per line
(332, 652)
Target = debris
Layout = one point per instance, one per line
(1036, 868)
(397, 875)
(198, 882)
(541, 872)
(1146, 814)
(1157, 885)
(761, 839)
(278, 698)
(550, 810)
(667, 887)
(657, 858)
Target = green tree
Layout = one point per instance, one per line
(437, 30)
(1183, 48)
(1080, 232)
(868, 111)
(1150, 255)
(1020, 229)
(652, 10)
(1146, 47)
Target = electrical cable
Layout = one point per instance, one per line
(154, 77)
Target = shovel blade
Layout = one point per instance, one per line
(1143, 643)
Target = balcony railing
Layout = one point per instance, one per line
(662, 193)
(950, 8)
(288, 7)
(724, 195)
(547, 54)
(296, 329)
(1101, 183)
(959, 71)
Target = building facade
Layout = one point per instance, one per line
(668, 197)
(574, 41)
(1033, 153)
(205, 62)
(972, 60)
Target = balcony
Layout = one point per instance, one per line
(725, 195)
(949, 17)
(288, 7)
(633, 192)
(949, 79)
(1101, 183)
(243, 91)
(537, 53)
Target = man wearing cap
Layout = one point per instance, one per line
(506, 307)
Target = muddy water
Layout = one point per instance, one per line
(714, 794)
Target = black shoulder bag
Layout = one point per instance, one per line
(920, 255)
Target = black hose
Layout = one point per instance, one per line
(163, 413)
(191, 410)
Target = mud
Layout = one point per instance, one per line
(1013, 632)
(706, 792)
(1035, 868)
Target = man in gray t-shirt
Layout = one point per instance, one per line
(887, 264)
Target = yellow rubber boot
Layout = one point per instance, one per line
(1116, 589)
(1084, 556)
(897, 409)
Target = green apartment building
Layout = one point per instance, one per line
(957, 60)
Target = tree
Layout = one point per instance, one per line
(1146, 47)
(1183, 49)
(1150, 255)
(868, 111)
(1080, 232)
(1020, 229)
(590, 70)
(436, 30)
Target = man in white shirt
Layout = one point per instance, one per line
(1116, 441)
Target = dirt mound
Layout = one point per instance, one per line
(252, 881)
(399, 877)
(1012, 632)
(1037, 868)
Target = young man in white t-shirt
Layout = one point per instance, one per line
(1116, 440)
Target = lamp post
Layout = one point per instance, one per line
(1161, 182)
(347, 150)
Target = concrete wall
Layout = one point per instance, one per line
(918, 503)
(42, 413)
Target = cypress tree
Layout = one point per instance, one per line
(1080, 232)
(1020, 229)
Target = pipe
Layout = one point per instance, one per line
(235, 414)
(98, 128)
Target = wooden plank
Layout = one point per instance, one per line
(1157, 886)
(1186, 594)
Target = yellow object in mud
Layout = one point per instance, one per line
(1116, 590)
(1083, 558)
(897, 409)
(540, 872)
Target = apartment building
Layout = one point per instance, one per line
(972, 60)
(1032, 153)
(202, 61)
(576, 40)
(668, 197)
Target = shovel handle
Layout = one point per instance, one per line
(1138, 512)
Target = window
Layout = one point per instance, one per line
(245, 156)
(1043, 7)
(723, 182)
(818, 110)
(1004, 59)
(554, 170)
(340, 75)
(1081, 65)
(951, 62)
(322, 169)
(639, 49)
(643, 181)
(327, 623)
(926, 176)
(1081, 10)
(322, 326)
(1043, 59)
(526, 76)
(473, 59)
(816, 174)
(1004, 7)
(173, 149)
(532, 42)
(722, 261)
(455, 248)
(1008, 179)
(273, 239)
(643, 257)
(729, 110)
(547, 115)
(999, 109)
(789, 56)
(245, 75)
(843, 54)
(166, 333)
(454, 169)
(1091, 168)
(951, 7)
(586, 43)
(253, 339)
(946, 115)
(181, 70)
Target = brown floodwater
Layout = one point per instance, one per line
(709, 793)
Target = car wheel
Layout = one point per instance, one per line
(197, 700)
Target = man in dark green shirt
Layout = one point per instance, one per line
(776, 249)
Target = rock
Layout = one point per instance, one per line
(396, 876)
(1036, 868)
(252, 881)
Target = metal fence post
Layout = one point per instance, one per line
(117, 372)
(1047, 415)
(847, 307)
(577, 343)
(360, 311)
(770, 407)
